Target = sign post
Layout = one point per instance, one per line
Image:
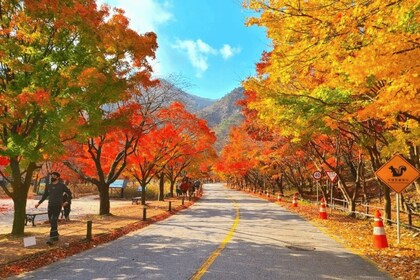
(397, 201)
(317, 176)
(397, 174)
(332, 176)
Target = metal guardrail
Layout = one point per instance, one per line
(342, 205)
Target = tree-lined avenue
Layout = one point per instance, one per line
(268, 243)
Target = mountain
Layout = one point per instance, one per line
(223, 109)
(192, 102)
(222, 115)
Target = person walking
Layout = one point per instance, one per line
(54, 191)
(66, 206)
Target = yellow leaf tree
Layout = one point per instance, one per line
(341, 65)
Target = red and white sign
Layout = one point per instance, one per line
(317, 175)
(331, 175)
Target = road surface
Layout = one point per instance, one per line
(226, 235)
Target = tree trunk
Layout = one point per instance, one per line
(352, 207)
(19, 205)
(363, 182)
(171, 187)
(414, 160)
(376, 164)
(280, 185)
(345, 191)
(20, 194)
(161, 196)
(104, 205)
(143, 194)
(387, 203)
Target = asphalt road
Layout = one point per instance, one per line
(225, 235)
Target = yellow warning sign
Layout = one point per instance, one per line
(397, 173)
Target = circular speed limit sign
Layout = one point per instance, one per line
(317, 175)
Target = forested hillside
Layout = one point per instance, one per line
(192, 102)
(222, 115)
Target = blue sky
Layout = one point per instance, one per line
(204, 43)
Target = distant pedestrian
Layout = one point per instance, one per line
(66, 206)
(197, 187)
(178, 189)
(54, 191)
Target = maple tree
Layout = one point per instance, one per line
(342, 156)
(60, 60)
(101, 161)
(154, 150)
(239, 156)
(174, 170)
(130, 128)
(194, 147)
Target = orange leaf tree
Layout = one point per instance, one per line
(154, 150)
(239, 157)
(195, 147)
(60, 60)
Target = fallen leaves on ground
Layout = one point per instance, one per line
(402, 260)
(122, 224)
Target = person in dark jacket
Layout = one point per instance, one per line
(66, 206)
(54, 191)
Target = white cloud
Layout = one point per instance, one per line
(150, 15)
(227, 51)
(205, 48)
(198, 53)
(144, 15)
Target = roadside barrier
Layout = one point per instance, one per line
(144, 213)
(294, 201)
(89, 230)
(323, 210)
(358, 213)
(379, 237)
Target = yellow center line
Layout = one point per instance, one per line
(205, 266)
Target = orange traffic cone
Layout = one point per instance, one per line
(379, 237)
(294, 201)
(323, 210)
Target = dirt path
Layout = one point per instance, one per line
(80, 207)
(123, 214)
